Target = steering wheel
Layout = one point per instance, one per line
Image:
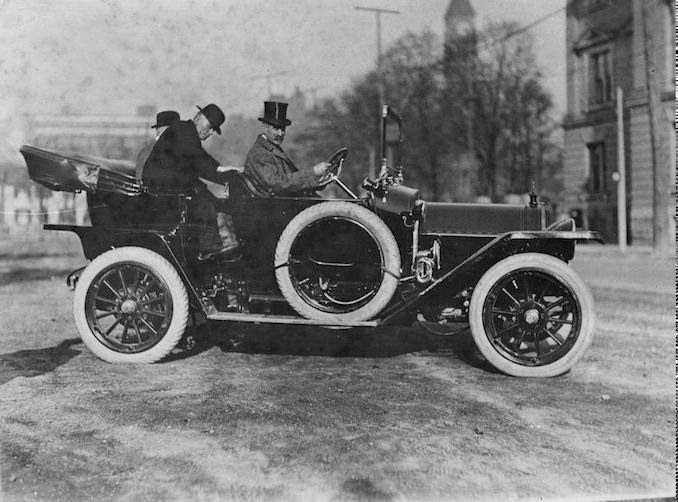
(336, 160)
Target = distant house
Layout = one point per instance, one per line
(627, 44)
(111, 136)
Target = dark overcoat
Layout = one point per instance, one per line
(177, 161)
(175, 164)
(271, 170)
(142, 157)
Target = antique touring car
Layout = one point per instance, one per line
(384, 258)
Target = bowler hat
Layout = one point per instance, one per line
(214, 115)
(275, 113)
(165, 118)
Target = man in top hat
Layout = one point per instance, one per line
(268, 166)
(163, 120)
(176, 163)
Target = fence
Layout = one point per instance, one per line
(24, 209)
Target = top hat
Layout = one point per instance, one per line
(275, 114)
(165, 118)
(214, 116)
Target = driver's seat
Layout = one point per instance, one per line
(240, 186)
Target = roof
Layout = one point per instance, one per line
(595, 36)
(460, 8)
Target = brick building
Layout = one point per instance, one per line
(627, 44)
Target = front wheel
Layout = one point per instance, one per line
(531, 315)
(130, 306)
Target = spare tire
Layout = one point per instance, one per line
(337, 261)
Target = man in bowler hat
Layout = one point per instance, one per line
(268, 166)
(163, 120)
(176, 163)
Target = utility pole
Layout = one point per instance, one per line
(268, 77)
(380, 82)
(658, 145)
(621, 173)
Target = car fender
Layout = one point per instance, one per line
(97, 240)
(559, 244)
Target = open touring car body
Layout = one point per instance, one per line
(385, 258)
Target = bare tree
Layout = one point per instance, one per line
(479, 100)
(413, 85)
(412, 79)
(493, 77)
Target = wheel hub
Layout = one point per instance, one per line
(531, 316)
(128, 307)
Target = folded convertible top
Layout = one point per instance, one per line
(75, 172)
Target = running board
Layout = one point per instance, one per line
(288, 319)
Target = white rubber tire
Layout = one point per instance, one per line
(561, 272)
(175, 288)
(382, 235)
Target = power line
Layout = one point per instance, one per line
(491, 43)
(536, 22)
(548, 74)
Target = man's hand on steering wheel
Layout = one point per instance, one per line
(332, 167)
(321, 168)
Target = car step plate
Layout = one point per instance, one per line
(283, 319)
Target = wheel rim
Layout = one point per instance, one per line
(128, 307)
(531, 317)
(340, 276)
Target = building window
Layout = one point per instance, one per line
(600, 78)
(597, 168)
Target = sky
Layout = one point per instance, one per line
(111, 56)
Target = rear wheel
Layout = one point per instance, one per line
(337, 261)
(531, 315)
(130, 306)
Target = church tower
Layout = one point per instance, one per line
(459, 20)
(460, 51)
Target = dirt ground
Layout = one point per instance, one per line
(305, 414)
